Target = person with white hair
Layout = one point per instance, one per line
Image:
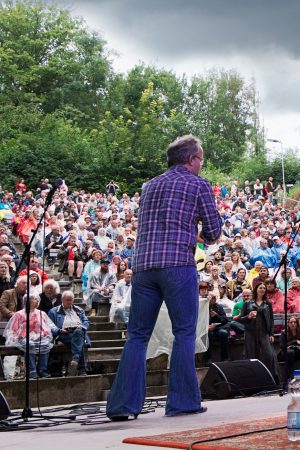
(71, 329)
(102, 239)
(40, 336)
(50, 297)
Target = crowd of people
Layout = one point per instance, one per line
(92, 236)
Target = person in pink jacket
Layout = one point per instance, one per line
(293, 296)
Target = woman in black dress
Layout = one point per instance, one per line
(257, 316)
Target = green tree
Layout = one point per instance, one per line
(48, 59)
(222, 110)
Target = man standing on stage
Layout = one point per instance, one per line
(164, 269)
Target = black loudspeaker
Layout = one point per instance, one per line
(4, 408)
(237, 378)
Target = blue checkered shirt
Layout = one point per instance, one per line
(170, 207)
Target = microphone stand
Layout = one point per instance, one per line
(27, 253)
(283, 263)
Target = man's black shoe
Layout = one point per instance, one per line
(123, 417)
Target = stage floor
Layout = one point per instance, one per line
(110, 435)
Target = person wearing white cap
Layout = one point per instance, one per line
(278, 247)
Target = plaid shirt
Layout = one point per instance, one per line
(170, 207)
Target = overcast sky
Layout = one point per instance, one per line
(258, 38)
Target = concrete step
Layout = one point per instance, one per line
(54, 391)
(104, 352)
(99, 319)
(108, 343)
(107, 335)
(103, 366)
(100, 352)
(101, 326)
(73, 390)
(81, 305)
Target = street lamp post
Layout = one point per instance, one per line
(277, 141)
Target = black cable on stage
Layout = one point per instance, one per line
(83, 414)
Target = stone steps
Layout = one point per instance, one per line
(73, 390)
(107, 335)
(108, 343)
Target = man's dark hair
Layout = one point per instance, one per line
(179, 151)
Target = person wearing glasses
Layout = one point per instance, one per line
(164, 268)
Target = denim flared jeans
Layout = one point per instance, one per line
(178, 287)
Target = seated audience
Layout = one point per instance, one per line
(120, 304)
(235, 325)
(216, 329)
(293, 297)
(254, 272)
(90, 267)
(5, 278)
(215, 281)
(71, 329)
(70, 258)
(40, 336)
(227, 272)
(237, 285)
(127, 253)
(50, 297)
(101, 286)
(34, 266)
(237, 263)
(280, 281)
(263, 275)
(293, 344)
(274, 296)
(121, 269)
(12, 299)
(205, 274)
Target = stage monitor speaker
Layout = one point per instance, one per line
(237, 378)
(4, 408)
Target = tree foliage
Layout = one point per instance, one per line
(65, 113)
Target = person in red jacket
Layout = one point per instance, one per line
(21, 186)
(274, 296)
(293, 296)
(34, 265)
(27, 224)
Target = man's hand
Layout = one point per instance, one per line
(211, 327)
(64, 330)
(213, 313)
(96, 287)
(271, 339)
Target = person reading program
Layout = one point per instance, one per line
(171, 206)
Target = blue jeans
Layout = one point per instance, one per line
(122, 314)
(178, 287)
(42, 363)
(75, 340)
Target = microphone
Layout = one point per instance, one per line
(58, 183)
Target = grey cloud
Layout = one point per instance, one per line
(177, 27)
